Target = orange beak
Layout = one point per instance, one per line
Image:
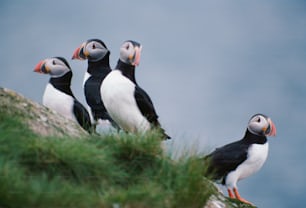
(76, 53)
(38, 67)
(79, 53)
(272, 128)
(137, 55)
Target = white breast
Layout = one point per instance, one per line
(86, 77)
(59, 102)
(257, 156)
(118, 96)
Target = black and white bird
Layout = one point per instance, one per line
(126, 102)
(97, 54)
(58, 95)
(240, 159)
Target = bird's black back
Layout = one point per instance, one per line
(98, 71)
(227, 158)
(93, 97)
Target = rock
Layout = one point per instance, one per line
(38, 118)
(214, 202)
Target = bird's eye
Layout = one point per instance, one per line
(127, 47)
(53, 62)
(93, 46)
(258, 120)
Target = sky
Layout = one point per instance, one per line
(207, 65)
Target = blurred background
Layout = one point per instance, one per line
(207, 65)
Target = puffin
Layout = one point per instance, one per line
(58, 95)
(240, 159)
(126, 102)
(97, 54)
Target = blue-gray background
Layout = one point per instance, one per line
(207, 65)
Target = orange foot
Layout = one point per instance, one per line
(230, 194)
(240, 198)
(236, 195)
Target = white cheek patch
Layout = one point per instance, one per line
(257, 126)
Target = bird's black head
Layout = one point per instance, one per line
(92, 49)
(63, 60)
(130, 52)
(55, 66)
(261, 125)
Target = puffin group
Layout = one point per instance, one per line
(114, 98)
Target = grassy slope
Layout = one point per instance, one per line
(111, 171)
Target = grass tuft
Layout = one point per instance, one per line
(116, 170)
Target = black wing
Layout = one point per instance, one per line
(147, 109)
(145, 105)
(93, 97)
(82, 116)
(226, 158)
(94, 100)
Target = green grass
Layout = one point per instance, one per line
(118, 170)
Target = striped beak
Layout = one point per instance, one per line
(271, 129)
(137, 55)
(41, 67)
(135, 58)
(79, 53)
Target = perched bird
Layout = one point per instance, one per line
(129, 105)
(240, 159)
(97, 54)
(58, 95)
